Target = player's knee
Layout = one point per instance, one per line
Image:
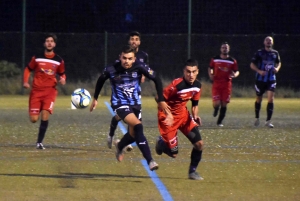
(34, 119)
(117, 118)
(199, 145)
(259, 99)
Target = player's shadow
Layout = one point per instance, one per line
(70, 175)
(55, 147)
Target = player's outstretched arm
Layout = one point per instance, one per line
(26, 75)
(93, 105)
(195, 116)
(210, 73)
(99, 85)
(62, 79)
(277, 67)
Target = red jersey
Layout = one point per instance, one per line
(179, 92)
(222, 68)
(45, 69)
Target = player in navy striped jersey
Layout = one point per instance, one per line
(125, 78)
(266, 63)
(134, 40)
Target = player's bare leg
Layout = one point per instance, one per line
(136, 132)
(110, 137)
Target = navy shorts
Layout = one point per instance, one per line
(124, 110)
(262, 87)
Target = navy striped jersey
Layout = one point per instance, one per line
(142, 57)
(266, 61)
(125, 83)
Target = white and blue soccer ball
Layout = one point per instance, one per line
(80, 98)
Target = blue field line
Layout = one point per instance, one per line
(159, 185)
(122, 127)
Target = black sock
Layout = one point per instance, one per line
(221, 115)
(113, 126)
(216, 110)
(141, 142)
(196, 156)
(257, 107)
(270, 108)
(165, 148)
(126, 140)
(42, 131)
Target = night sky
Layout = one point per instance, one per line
(153, 16)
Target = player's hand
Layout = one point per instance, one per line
(275, 70)
(164, 107)
(211, 77)
(262, 73)
(169, 120)
(26, 85)
(142, 79)
(197, 119)
(62, 81)
(93, 105)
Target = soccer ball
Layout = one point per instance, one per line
(80, 98)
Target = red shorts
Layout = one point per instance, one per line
(183, 122)
(42, 100)
(221, 91)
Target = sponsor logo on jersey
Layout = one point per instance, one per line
(225, 69)
(268, 67)
(134, 74)
(150, 71)
(117, 77)
(48, 71)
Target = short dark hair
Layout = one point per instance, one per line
(127, 49)
(134, 33)
(52, 35)
(225, 43)
(191, 62)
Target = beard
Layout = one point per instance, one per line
(225, 53)
(49, 49)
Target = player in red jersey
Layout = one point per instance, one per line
(46, 66)
(222, 69)
(176, 95)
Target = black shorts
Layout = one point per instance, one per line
(124, 110)
(262, 87)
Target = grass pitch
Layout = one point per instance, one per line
(240, 161)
